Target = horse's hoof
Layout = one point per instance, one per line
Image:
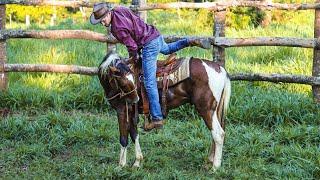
(136, 164)
(215, 167)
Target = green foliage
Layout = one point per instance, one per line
(241, 18)
(81, 144)
(124, 1)
(186, 22)
(40, 14)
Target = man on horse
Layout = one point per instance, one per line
(129, 29)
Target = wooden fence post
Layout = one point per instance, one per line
(3, 58)
(268, 15)
(316, 55)
(136, 3)
(110, 46)
(218, 31)
(142, 14)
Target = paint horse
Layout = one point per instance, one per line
(207, 87)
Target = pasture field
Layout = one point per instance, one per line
(60, 126)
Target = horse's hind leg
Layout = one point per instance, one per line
(218, 137)
(212, 122)
(135, 138)
(212, 150)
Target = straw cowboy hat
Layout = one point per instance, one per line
(100, 10)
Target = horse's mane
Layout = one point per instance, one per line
(105, 57)
(104, 65)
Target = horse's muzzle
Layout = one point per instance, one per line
(133, 101)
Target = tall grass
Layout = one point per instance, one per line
(60, 126)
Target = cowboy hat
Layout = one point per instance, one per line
(100, 10)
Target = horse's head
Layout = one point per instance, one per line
(115, 71)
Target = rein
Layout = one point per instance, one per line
(121, 93)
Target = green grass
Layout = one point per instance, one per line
(81, 144)
(60, 126)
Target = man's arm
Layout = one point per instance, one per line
(132, 47)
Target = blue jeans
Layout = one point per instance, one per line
(149, 64)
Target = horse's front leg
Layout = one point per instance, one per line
(123, 128)
(135, 138)
(139, 156)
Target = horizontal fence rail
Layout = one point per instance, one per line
(219, 41)
(214, 6)
(68, 69)
(285, 78)
(73, 69)
(57, 34)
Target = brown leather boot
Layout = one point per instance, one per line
(203, 43)
(154, 125)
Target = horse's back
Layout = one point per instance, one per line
(201, 70)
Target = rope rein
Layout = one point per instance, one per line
(121, 93)
(127, 111)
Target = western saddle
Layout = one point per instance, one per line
(164, 68)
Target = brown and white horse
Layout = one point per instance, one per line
(208, 88)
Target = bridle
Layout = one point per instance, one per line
(121, 92)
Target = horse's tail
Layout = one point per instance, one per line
(224, 101)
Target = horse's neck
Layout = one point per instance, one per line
(110, 87)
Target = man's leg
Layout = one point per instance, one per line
(172, 47)
(149, 65)
(169, 48)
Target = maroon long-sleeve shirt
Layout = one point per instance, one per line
(131, 30)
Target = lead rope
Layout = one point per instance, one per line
(121, 94)
(127, 110)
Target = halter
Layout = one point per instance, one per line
(121, 93)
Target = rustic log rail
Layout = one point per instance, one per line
(52, 68)
(276, 78)
(213, 6)
(57, 34)
(91, 71)
(219, 41)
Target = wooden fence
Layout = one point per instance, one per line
(218, 40)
